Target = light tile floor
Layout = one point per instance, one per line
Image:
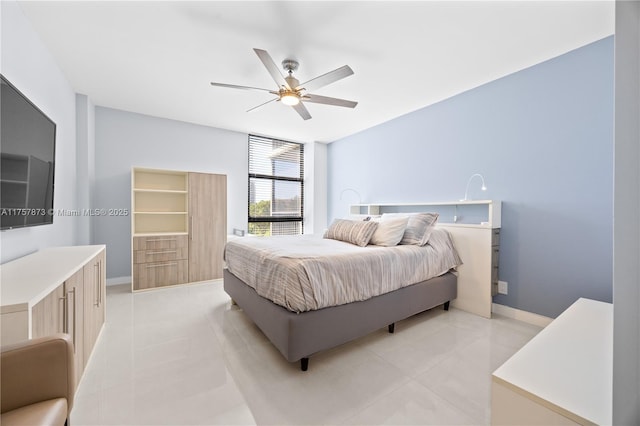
(184, 355)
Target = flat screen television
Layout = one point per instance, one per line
(27, 159)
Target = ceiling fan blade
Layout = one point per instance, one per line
(328, 78)
(302, 110)
(262, 104)
(234, 86)
(272, 68)
(317, 99)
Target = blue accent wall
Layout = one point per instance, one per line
(543, 140)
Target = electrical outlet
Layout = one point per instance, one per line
(503, 287)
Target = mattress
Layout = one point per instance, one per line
(306, 272)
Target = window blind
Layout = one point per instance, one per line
(276, 186)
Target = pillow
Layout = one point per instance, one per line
(419, 227)
(355, 232)
(390, 231)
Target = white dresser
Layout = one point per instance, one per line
(56, 290)
(563, 376)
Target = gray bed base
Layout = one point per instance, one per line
(299, 335)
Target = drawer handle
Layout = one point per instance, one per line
(160, 239)
(64, 313)
(96, 276)
(162, 252)
(75, 311)
(160, 265)
(100, 280)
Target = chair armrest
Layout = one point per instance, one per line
(37, 370)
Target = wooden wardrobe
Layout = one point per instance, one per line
(179, 227)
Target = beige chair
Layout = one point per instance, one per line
(37, 381)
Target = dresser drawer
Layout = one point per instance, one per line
(160, 255)
(495, 237)
(159, 274)
(160, 242)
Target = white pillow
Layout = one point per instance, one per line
(418, 228)
(390, 231)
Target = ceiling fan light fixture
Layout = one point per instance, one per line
(290, 99)
(290, 92)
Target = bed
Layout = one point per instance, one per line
(301, 291)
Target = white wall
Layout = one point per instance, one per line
(315, 188)
(626, 248)
(85, 158)
(28, 65)
(542, 138)
(124, 140)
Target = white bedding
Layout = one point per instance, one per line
(306, 272)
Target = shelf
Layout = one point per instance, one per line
(160, 223)
(435, 203)
(159, 191)
(467, 225)
(155, 234)
(159, 180)
(159, 202)
(161, 213)
(468, 213)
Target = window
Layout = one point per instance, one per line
(276, 186)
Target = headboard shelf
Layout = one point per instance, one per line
(469, 213)
(475, 228)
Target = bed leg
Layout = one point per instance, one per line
(392, 327)
(304, 364)
(446, 306)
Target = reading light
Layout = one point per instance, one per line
(484, 188)
(290, 99)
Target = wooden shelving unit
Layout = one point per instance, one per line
(159, 202)
(178, 227)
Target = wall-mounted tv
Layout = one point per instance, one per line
(27, 157)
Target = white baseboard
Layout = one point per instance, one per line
(517, 314)
(118, 281)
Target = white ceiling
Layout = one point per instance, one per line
(157, 58)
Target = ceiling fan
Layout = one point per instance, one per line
(291, 92)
